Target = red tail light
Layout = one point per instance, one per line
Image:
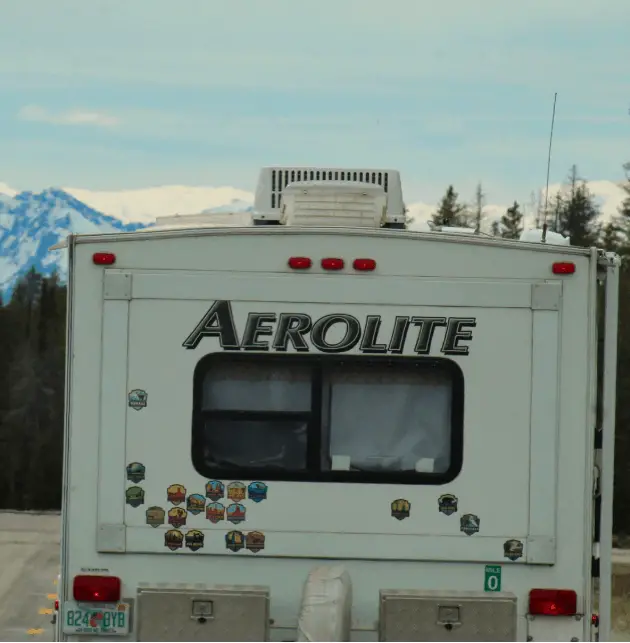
(300, 263)
(331, 263)
(56, 606)
(595, 620)
(563, 268)
(103, 258)
(553, 602)
(364, 265)
(96, 589)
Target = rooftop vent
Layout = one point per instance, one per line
(352, 205)
(273, 181)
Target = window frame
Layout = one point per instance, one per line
(318, 364)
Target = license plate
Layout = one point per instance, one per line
(104, 620)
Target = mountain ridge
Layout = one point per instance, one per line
(32, 222)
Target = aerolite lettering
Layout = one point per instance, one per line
(278, 332)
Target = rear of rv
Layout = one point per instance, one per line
(404, 420)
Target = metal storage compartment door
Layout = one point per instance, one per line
(221, 614)
(417, 615)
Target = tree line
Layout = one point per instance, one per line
(33, 334)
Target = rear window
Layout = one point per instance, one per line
(328, 419)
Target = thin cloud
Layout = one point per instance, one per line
(35, 113)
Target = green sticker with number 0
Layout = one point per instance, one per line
(492, 578)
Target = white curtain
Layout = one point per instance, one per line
(390, 421)
(246, 386)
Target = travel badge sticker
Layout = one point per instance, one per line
(194, 539)
(447, 504)
(134, 496)
(196, 504)
(236, 491)
(156, 516)
(400, 509)
(137, 399)
(215, 490)
(236, 513)
(257, 491)
(174, 539)
(136, 472)
(234, 540)
(215, 512)
(469, 524)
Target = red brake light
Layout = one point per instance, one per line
(300, 263)
(104, 258)
(56, 606)
(96, 589)
(365, 265)
(595, 620)
(332, 264)
(563, 268)
(553, 602)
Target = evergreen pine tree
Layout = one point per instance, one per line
(622, 220)
(511, 225)
(578, 213)
(450, 212)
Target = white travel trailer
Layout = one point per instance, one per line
(324, 426)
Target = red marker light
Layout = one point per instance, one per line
(364, 265)
(96, 589)
(331, 263)
(104, 258)
(300, 263)
(552, 602)
(563, 268)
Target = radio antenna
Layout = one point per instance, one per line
(553, 120)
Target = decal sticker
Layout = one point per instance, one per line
(196, 504)
(236, 513)
(215, 512)
(513, 549)
(257, 491)
(304, 333)
(255, 541)
(194, 539)
(215, 490)
(176, 494)
(177, 517)
(155, 516)
(234, 540)
(137, 399)
(401, 509)
(447, 504)
(236, 491)
(173, 539)
(134, 496)
(135, 472)
(469, 524)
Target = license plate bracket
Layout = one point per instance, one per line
(100, 619)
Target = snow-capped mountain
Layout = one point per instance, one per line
(144, 205)
(32, 222)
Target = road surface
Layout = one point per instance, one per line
(29, 561)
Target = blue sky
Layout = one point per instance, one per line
(113, 94)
